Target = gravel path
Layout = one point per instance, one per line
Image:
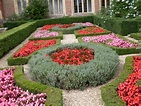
(88, 97)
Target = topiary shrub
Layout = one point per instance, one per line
(95, 72)
(69, 30)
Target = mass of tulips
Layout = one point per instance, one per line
(45, 33)
(87, 24)
(33, 46)
(66, 25)
(110, 39)
(129, 92)
(91, 30)
(72, 56)
(11, 95)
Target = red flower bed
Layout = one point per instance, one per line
(33, 46)
(128, 91)
(48, 27)
(66, 25)
(91, 30)
(72, 56)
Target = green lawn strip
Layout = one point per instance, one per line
(23, 60)
(136, 36)
(120, 51)
(109, 93)
(54, 95)
(60, 36)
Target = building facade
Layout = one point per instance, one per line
(57, 8)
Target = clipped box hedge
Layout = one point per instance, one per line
(54, 95)
(13, 24)
(117, 25)
(60, 36)
(136, 36)
(65, 20)
(23, 60)
(13, 37)
(69, 30)
(109, 93)
(119, 51)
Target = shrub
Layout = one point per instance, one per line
(136, 36)
(93, 73)
(36, 9)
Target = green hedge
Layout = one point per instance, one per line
(65, 20)
(60, 36)
(13, 37)
(136, 36)
(117, 25)
(120, 51)
(54, 95)
(13, 24)
(23, 60)
(108, 92)
(69, 30)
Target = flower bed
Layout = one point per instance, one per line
(45, 34)
(95, 72)
(121, 45)
(87, 24)
(22, 55)
(49, 27)
(128, 91)
(11, 95)
(110, 39)
(66, 25)
(88, 31)
(72, 56)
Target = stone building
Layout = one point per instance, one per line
(57, 8)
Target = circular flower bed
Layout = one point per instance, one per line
(95, 72)
(72, 56)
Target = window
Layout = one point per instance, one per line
(105, 3)
(19, 7)
(55, 7)
(81, 6)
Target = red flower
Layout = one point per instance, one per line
(127, 90)
(66, 25)
(33, 46)
(72, 56)
(48, 27)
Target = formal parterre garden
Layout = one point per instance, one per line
(53, 67)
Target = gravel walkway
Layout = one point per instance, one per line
(88, 97)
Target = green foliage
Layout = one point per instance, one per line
(109, 93)
(36, 9)
(136, 36)
(117, 25)
(119, 51)
(13, 24)
(13, 37)
(23, 60)
(93, 73)
(54, 95)
(69, 30)
(125, 9)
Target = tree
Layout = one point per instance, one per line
(36, 9)
(125, 8)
